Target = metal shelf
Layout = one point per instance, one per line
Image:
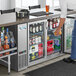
(51, 29)
(39, 33)
(36, 44)
(9, 55)
(54, 36)
(11, 49)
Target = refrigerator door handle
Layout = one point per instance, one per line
(47, 25)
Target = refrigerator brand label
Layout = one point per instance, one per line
(22, 28)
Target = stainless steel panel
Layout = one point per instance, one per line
(22, 46)
(22, 61)
(7, 18)
(22, 37)
(45, 59)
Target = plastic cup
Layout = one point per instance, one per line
(47, 8)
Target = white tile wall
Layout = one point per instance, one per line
(22, 3)
(7, 4)
(16, 3)
(4, 4)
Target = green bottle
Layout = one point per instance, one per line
(2, 36)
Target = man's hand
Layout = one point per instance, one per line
(57, 31)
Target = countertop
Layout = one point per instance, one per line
(34, 18)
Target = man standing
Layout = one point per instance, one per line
(68, 4)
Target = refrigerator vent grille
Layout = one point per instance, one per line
(22, 61)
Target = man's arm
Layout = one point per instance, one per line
(62, 20)
(63, 5)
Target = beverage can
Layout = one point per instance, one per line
(34, 28)
(31, 29)
(37, 29)
(36, 39)
(30, 42)
(33, 48)
(40, 27)
(57, 43)
(50, 25)
(33, 40)
(39, 39)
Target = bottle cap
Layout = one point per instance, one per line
(6, 37)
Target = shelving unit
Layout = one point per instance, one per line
(9, 50)
(8, 56)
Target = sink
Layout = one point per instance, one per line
(41, 13)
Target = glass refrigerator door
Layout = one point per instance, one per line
(69, 24)
(36, 41)
(53, 42)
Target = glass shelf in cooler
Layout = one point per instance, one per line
(39, 33)
(36, 44)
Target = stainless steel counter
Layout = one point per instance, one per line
(34, 18)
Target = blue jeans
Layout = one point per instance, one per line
(73, 48)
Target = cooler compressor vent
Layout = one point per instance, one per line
(22, 61)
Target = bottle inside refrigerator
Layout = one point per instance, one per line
(5, 39)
